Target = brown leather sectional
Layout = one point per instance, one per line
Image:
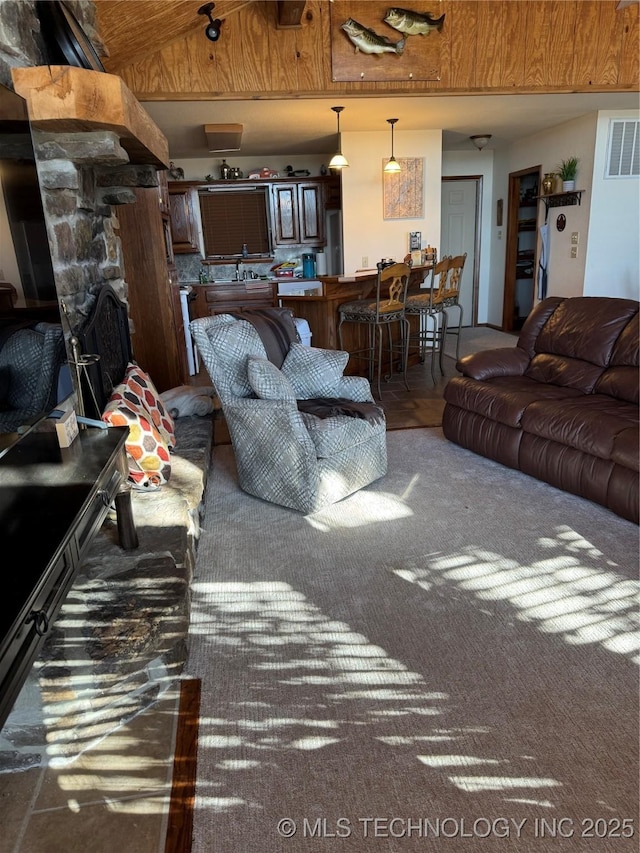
(562, 405)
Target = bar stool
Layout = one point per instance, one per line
(428, 305)
(379, 314)
(451, 298)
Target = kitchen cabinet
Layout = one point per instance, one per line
(157, 334)
(186, 224)
(297, 211)
(214, 298)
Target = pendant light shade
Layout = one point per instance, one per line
(338, 161)
(392, 164)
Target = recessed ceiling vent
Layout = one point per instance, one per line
(223, 137)
(624, 149)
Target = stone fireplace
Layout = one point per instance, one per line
(120, 637)
(94, 144)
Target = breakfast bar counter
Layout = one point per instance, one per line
(321, 310)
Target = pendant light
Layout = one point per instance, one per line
(392, 163)
(338, 161)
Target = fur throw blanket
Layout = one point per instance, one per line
(188, 400)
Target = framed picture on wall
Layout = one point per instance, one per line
(403, 191)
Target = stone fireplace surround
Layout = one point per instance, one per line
(120, 638)
(93, 144)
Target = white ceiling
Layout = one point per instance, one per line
(299, 127)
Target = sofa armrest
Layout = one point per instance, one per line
(502, 361)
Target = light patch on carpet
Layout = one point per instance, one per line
(471, 784)
(561, 594)
(456, 760)
(365, 509)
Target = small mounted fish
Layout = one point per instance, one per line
(368, 40)
(413, 23)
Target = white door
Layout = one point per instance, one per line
(458, 235)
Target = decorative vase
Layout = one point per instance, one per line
(568, 186)
(548, 183)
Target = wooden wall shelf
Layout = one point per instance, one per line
(565, 199)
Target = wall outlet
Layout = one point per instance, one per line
(574, 238)
(574, 251)
(365, 262)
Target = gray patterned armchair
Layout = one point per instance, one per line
(283, 455)
(30, 363)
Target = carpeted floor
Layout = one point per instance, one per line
(446, 660)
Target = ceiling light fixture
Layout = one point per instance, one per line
(392, 164)
(338, 161)
(212, 30)
(480, 140)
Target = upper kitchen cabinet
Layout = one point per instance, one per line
(298, 214)
(218, 218)
(186, 224)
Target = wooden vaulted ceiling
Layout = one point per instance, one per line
(132, 30)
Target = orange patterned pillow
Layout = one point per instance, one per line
(136, 404)
(141, 390)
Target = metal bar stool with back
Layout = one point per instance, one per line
(428, 304)
(451, 299)
(378, 315)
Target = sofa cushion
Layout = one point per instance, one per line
(267, 381)
(590, 423)
(586, 328)
(503, 399)
(626, 351)
(626, 448)
(314, 372)
(565, 371)
(621, 382)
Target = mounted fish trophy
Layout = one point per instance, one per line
(384, 44)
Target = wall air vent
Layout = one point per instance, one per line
(223, 137)
(623, 159)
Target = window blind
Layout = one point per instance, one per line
(230, 219)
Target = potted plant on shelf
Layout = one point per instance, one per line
(567, 171)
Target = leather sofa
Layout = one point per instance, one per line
(562, 405)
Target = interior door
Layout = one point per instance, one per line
(520, 260)
(459, 234)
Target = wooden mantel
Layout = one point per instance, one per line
(66, 99)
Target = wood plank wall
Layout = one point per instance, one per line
(488, 46)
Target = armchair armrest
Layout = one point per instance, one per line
(276, 417)
(355, 388)
(502, 361)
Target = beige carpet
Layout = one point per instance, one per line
(452, 651)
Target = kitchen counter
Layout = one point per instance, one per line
(321, 310)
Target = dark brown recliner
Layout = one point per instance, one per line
(562, 405)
